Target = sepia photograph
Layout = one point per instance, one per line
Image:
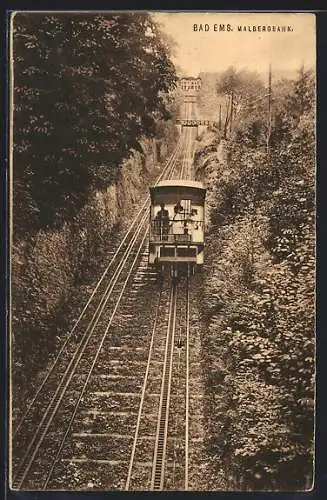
(162, 251)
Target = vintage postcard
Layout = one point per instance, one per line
(162, 251)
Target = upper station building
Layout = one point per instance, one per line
(190, 83)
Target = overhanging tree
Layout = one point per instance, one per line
(86, 89)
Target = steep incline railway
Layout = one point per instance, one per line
(117, 393)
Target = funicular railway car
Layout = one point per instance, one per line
(176, 241)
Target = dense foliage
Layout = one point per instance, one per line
(240, 89)
(261, 286)
(208, 101)
(87, 88)
(92, 95)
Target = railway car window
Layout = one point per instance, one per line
(186, 252)
(187, 206)
(167, 252)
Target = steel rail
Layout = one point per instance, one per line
(186, 158)
(145, 380)
(170, 164)
(93, 364)
(129, 475)
(187, 399)
(171, 295)
(169, 167)
(172, 171)
(177, 417)
(67, 375)
(189, 154)
(120, 267)
(157, 480)
(185, 138)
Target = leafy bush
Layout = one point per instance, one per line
(259, 295)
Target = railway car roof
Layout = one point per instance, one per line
(177, 183)
(174, 190)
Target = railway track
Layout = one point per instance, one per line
(26, 445)
(158, 471)
(153, 467)
(117, 255)
(187, 161)
(87, 313)
(82, 355)
(186, 171)
(47, 424)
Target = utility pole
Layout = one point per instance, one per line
(226, 116)
(219, 117)
(269, 111)
(231, 110)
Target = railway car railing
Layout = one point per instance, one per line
(176, 231)
(171, 238)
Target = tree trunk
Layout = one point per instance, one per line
(227, 117)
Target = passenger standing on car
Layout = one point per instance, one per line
(178, 209)
(163, 218)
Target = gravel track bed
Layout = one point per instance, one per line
(132, 355)
(145, 448)
(101, 395)
(109, 423)
(141, 479)
(95, 447)
(175, 478)
(61, 418)
(118, 384)
(154, 383)
(122, 402)
(148, 425)
(195, 427)
(158, 354)
(97, 452)
(195, 386)
(150, 405)
(176, 450)
(117, 368)
(90, 476)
